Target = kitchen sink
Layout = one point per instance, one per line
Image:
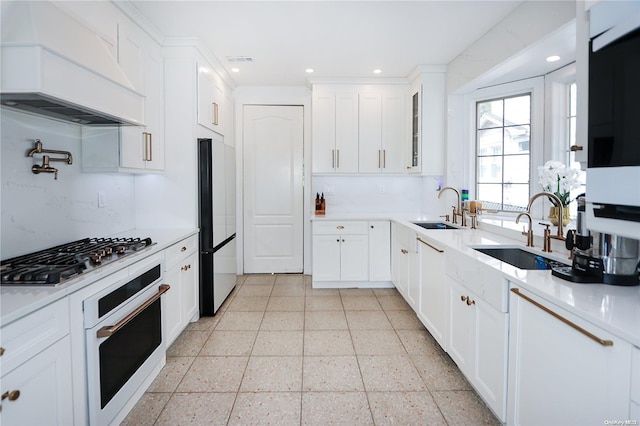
(519, 258)
(435, 225)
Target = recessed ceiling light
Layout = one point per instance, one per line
(235, 69)
(377, 71)
(553, 58)
(309, 70)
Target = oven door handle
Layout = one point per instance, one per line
(108, 331)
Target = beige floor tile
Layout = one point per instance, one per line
(418, 341)
(259, 279)
(361, 292)
(393, 303)
(325, 320)
(290, 279)
(204, 323)
(273, 374)
(255, 290)
(404, 408)
(334, 373)
(404, 320)
(229, 343)
(289, 289)
(146, 410)
(240, 321)
(320, 292)
(439, 372)
(188, 343)
(197, 409)
(327, 343)
(463, 408)
(368, 320)
(286, 303)
(283, 321)
(323, 303)
(390, 373)
(278, 343)
(385, 292)
(171, 374)
(376, 342)
(335, 408)
(248, 304)
(214, 374)
(266, 408)
(360, 303)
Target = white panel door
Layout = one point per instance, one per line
(273, 191)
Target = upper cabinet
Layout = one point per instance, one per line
(215, 105)
(426, 141)
(359, 128)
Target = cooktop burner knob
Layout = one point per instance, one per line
(121, 249)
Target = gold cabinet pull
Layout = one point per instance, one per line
(429, 245)
(384, 158)
(12, 395)
(186, 267)
(183, 249)
(379, 159)
(108, 331)
(333, 158)
(563, 319)
(575, 148)
(337, 158)
(1, 351)
(340, 227)
(148, 146)
(464, 298)
(404, 251)
(214, 119)
(470, 302)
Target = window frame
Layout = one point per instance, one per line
(534, 86)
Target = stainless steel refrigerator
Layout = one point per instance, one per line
(217, 221)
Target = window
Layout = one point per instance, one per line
(570, 141)
(503, 137)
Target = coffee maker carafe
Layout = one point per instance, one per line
(600, 257)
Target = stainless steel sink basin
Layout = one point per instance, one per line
(519, 258)
(435, 225)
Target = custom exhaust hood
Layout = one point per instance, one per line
(53, 65)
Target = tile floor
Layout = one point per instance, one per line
(282, 353)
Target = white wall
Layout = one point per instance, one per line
(38, 211)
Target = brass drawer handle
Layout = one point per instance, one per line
(404, 251)
(340, 227)
(111, 330)
(183, 249)
(12, 395)
(1, 351)
(575, 148)
(186, 267)
(427, 244)
(564, 320)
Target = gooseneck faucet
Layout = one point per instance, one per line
(457, 211)
(553, 197)
(529, 233)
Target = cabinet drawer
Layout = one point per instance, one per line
(27, 336)
(181, 249)
(340, 227)
(635, 376)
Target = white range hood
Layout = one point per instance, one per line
(53, 65)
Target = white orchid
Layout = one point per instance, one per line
(559, 179)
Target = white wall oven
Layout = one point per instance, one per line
(123, 326)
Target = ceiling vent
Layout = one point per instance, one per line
(239, 59)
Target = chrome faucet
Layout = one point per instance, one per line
(553, 197)
(457, 211)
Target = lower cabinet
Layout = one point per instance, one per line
(433, 307)
(36, 383)
(562, 369)
(406, 264)
(349, 252)
(181, 301)
(478, 339)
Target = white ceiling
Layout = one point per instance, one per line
(335, 38)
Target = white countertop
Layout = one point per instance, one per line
(613, 308)
(18, 301)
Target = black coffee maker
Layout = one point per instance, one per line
(599, 257)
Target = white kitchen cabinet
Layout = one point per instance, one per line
(563, 370)
(334, 130)
(340, 252)
(380, 250)
(181, 301)
(406, 264)
(433, 306)
(478, 338)
(382, 123)
(426, 141)
(36, 368)
(132, 149)
(213, 102)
